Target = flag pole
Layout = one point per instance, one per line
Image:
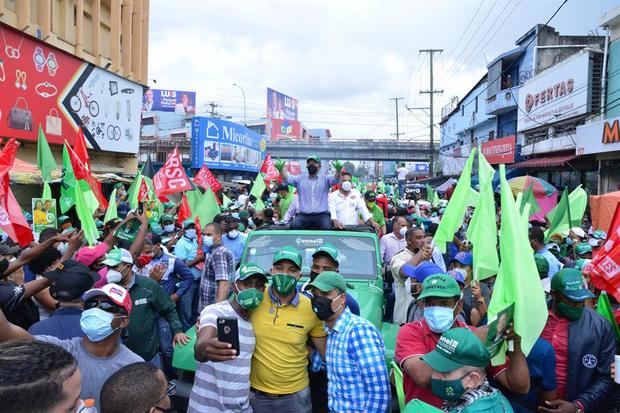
(570, 221)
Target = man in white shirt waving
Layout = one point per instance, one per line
(346, 204)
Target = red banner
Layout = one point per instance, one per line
(171, 178)
(269, 170)
(205, 179)
(80, 171)
(12, 219)
(500, 150)
(285, 130)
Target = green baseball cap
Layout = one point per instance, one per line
(581, 263)
(168, 205)
(313, 158)
(542, 265)
(329, 280)
(440, 285)
(116, 256)
(583, 248)
(166, 218)
(288, 253)
(249, 269)
(456, 348)
(569, 283)
(328, 249)
(62, 219)
(188, 222)
(119, 185)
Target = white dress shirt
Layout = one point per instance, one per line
(347, 207)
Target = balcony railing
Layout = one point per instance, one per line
(504, 101)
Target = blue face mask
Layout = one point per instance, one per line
(97, 324)
(569, 241)
(439, 319)
(207, 241)
(190, 233)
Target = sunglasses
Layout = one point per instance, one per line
(106, 306)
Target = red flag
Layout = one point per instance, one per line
(143, 191)
(171, 178)
(205, 179)
(185, 212)
(81, 172)
(604, 269)
(12, 219)
(80, 148)
(269, 170)
(198, 231)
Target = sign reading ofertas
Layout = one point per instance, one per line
(598, 137)
(280, 106)
(179, 101)
(48, 87)
(226, 145)
(560, 92)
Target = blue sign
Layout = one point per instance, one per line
(179, 101)
(226, 145)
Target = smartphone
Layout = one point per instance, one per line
(228, 331)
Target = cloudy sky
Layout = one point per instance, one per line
(343, 59)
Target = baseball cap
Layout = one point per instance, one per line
(248, 270)
(283, 187)
(370, 196)
(119, 185)
(62, 219)
(599, 234)
(440, 285)
(456, 348)
(313, 158)
(328, 249)
(117, 294)
(188, 222)
(542, 265)
(166, 218)
(458, 277)
(464, 258)
(569, 282)
(288, 253)
(70, 279)
(116, 256)
(168, 205)
(579, 232)
(422, 271)
(580, 264)
(583, 248)
(329, 280)
(88, 255)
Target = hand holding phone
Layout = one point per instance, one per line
(228, 331)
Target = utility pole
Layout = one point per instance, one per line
(397, 132)
(212, 111)
(431, 92)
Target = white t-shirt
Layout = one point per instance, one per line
(402, 173)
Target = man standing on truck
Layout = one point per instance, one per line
(346, 204)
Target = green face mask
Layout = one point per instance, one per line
(249, 299)
(371, 205)
(450, 390)
(284, 283)
(568, 311)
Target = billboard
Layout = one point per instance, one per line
(284, 130)
(598, 137)
(48, 87)
(280, 106)
(500, 150)
(226, 145)
(560, 92)
(179, 101)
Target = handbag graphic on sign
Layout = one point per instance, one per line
(53, 123)
(20, 118)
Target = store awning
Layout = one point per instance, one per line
(545, 162)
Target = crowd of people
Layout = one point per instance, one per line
(95, 327)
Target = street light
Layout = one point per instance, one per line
(243, 93)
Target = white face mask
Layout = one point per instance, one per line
(169, 228)
(233, 234)
(114, 276)
(402, 231)
(62, 247)
(346, 186)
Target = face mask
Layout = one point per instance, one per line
(322, 307)
(284, 283)
(450, 390)
(190, 233)
(312, 169)
(235, 215)
(233, 234)
(144, 260)
(258, 222)
(463, 272)
(249, 299)
(593, 242)
(169, 228)
(62, 247)
(97, 324)
(569, 241)
(313, 275)
(346, 186)
(371, 205)
(568, 311)
(114, 276)
(402, 231)
(439, 319)
(207, 241)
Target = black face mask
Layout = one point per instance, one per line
(313, 275)
(258, 222)
(322, 307)
(312, 169)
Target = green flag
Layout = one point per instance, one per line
(436, 200)
(45, 159)
(604, 308)
(453, 217)
(258, 187)
(84, 209)
(226, 200)
(528, 198)
(429, 193)
(207, 208)
(134, 190)
(67, 184)
(111, 213)
(193, 199)
(473, 198)
(570, 208)
(259, 205)
(517, 281)
(47, 191)
(482, 230)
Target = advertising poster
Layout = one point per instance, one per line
(495, 336)
(285, 130)
(280, 106)
(43, 214)
(42, 85)
(500, 150)
(226, 145)
(179, 101)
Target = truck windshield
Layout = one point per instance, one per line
(358, 256)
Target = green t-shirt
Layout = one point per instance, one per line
(285, 203)
(493, 403)
(377, 215)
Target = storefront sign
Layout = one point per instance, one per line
(560, 92)
(42, 85)
(598, 137)
(500, 150)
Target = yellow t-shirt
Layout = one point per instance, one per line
(280, 359)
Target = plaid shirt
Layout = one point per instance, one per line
(219, 266)
(356, 370)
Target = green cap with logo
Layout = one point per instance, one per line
(440, 285)
(313, 158)
(288, 253)
(456, 348)
(329, 280)
(569, 282)
(167, 218)
(117, 256)
(248, 270)
(188, 222)
(583, 248)
(581, 263)
(328, 249)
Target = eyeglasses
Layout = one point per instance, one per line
(170, 391)
(106, 306)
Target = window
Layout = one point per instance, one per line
(463, 110)
(148, 121)
(476, 107)
(491, 135)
